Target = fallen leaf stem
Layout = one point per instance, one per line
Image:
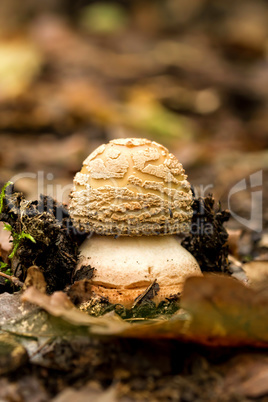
(12, 278)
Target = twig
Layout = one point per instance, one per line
(13, 279)
(235, 261)
(40, 348)
(68, 256)
(145, 293)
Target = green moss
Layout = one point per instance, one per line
(147, 309)
(3, 194)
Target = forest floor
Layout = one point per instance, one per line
(195, 81)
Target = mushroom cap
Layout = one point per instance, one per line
(131, 187)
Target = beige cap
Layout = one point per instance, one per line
(131, 187)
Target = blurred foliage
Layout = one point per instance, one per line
(20, 64)
(191, 75)
(103, 17)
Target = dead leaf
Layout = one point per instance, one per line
(217, 311)
(90, 391)
(35, 278)
(54, 304)
(248, 376)
(59, 305)
(12, 308)
(224, 311)
(257, 272)
(80, 291)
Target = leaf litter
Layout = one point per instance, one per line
(215, 311)
(165, 65)
(54, 255)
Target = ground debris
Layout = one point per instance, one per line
(91, 391)
(12, 354)
(248, 375)
(28, 388)
(97, 306)
(85, 272)
(208, 239)
(193, 76)
(12, 279)
(146, 309)
(148, 294)
(158, 359)
(35, 278)
(215, 310)
(54, 251)
(80, 291)
(12, 308)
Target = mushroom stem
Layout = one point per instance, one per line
(126, 266)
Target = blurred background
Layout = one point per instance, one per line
(192, 75)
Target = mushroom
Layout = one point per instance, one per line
(133, 197)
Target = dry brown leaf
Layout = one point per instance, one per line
(59, 305)
(217, 311)
(35, 278)
(257, 272)
(224, 311)
(55, 304)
